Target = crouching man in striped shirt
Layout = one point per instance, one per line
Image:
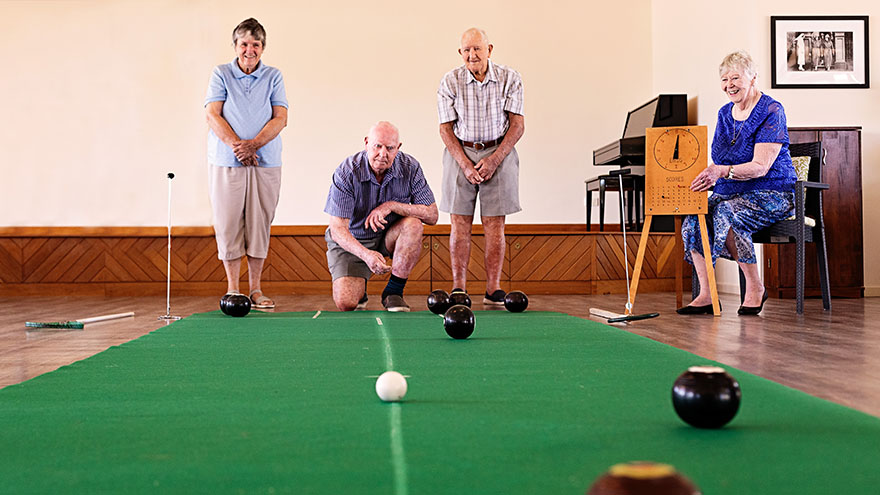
(377, 204)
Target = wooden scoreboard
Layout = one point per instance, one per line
(673, 158)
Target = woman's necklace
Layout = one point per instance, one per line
(736, 131)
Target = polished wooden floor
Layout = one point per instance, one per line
(833, 355)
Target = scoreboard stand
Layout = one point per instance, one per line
(673, 158)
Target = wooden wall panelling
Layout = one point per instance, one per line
(198, 255)
(609, 256)
(538, 259)
(11, 261)
(441, 264)
(658, 268)
(547, 264)
(61, 260)
(140, 259)
(297, 258)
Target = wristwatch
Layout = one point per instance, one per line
(730, 172)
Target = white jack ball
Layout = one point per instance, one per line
(391, 386)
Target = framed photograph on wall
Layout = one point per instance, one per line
(819, 52)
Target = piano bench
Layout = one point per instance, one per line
(633, 185)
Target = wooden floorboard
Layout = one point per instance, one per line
(833, 355)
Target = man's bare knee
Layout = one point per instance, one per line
(345, 304)
(347, 293)
(413, 227)
(462, 221)
(345, 301)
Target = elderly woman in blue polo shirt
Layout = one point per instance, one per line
(246, 110)
(753, 181)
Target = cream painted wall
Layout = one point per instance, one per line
(693, 46)
(105, 97)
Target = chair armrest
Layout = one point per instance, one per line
(816, 185)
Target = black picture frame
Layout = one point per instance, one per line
(819, 52)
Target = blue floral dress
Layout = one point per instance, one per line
(745, 206)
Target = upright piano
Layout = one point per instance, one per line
(629, 151)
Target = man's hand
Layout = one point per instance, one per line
(472, 174)
(376, 262)
(487, 166)
(376, 219)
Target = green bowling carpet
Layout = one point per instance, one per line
(534, 403)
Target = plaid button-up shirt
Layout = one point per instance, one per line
(479, 109)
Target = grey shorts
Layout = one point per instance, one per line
(243, 200)
(499, 195)
(344, 264)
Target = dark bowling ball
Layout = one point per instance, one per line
(642, 478)
(706, 397)
(459, 322)
(438, 302)
(223, 301)
(460, 298)
(516, 301)
(238, 305)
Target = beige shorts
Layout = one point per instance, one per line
(243, 201)
(499, 195)
(344, 264)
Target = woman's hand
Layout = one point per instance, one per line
(706, 179)
(246, 152)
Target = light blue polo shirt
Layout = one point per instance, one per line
(249, 99)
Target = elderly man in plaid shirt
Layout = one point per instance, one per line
(377, 204)
(481, 119)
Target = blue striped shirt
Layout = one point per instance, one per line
(355, 192)
(248, 101)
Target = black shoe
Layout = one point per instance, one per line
(697, 310)
(362, 304)
(753, 310)
(494, 299)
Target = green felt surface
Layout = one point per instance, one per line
(285, 403)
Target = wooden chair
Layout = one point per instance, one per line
(807, 225)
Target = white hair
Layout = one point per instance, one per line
(739, 60)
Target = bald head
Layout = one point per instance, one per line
(475, 51)
(475, 34)
(384, 128)
(382, 144)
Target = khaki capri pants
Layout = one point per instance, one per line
(243, 201)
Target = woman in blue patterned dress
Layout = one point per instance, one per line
(753, 181)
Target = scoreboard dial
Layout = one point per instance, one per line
(676, 149)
